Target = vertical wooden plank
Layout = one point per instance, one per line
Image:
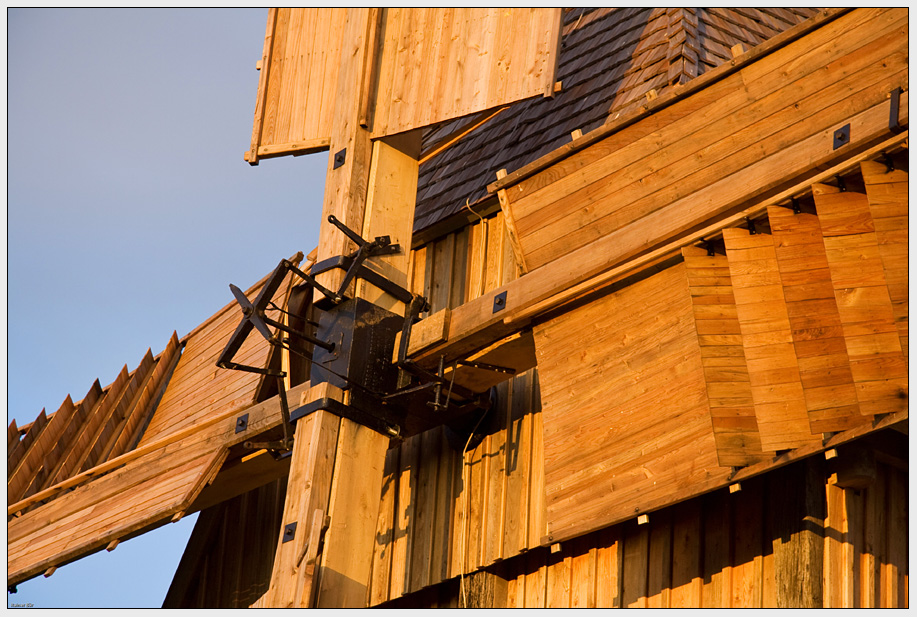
(385, 531)
(496, 476)
(518, 465)
(475, 463)
(687, 552)
(732, 408)
(717, 550)
(557, 592)
(835, 583)
(583, 571)
(309, 487)
(493, 276)
(538, 517)
(404, 517)
(441, 282)
(14, 458)
(894, 579)
(824, 367)
(780, 408)
(443, 528)
(874, 516)
(796, 508)
(659, 580)
(635, 565)
(855, 534)
(748, 544)
(873, 343)
(477, 260)
(887, 192)
(459, 268)
(608, 568)
(12, 437)
(424, 497)
(266, 55)
(536, 579)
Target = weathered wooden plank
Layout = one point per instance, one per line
(747, 572)
(385, 531)
(716, 550)
(838, 588)
(583, 574)
(635, 565)
(659, 575)
(495, 496)
(780, 409)
(518, 465)
(424, 497)
(440, 558)
(404, 517)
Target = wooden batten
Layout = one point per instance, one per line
(773, 370)
(867, 319)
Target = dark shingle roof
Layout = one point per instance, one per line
(609, 59)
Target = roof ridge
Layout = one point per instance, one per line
(683, 45)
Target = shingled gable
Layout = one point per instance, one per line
(610, 59)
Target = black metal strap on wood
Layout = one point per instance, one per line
(336, 407)
(893, 125)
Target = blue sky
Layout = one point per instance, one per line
(129, 212)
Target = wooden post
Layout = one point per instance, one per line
(797, 516)
(337, 465)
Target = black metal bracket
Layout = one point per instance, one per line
(339, 158)
(488, 367)
(241, 423)
(840, 184)
(889, 163)
(713, 246)
(893, 125)
(499, 302)
(346, 411)
(842, 136)
(794, 203)
(751, 226)
(289, 532)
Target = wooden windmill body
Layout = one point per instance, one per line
(683, 294)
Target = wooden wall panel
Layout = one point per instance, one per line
(423, 74)
(727, 549)
(780, 407)
(866, 314)
(438, 64)
(704, 152)
(627, 423)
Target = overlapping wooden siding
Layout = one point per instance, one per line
(732, 407)
(744, 130)
(228, 560)
(787, 539)
(780, 405)
(103, 425)
(866, 314)
(886, 190)
(627, 423)
(198, 388)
